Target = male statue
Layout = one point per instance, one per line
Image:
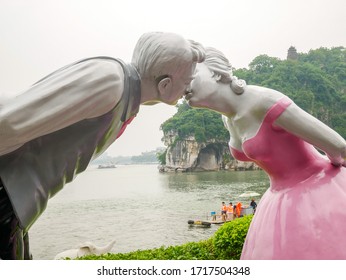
(52, 131)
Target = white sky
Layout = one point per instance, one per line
(39, 36)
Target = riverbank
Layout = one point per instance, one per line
(225, 244)
(137, 206)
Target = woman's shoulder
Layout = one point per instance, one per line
(261, 98)
(263, 92)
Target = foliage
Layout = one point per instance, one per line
(228, 241)
(202, 250)
(338, 122)
(330, 61)
(203, 124)
(161, 157)
(146, 157)
(316, 81)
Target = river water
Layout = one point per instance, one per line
(138, 207)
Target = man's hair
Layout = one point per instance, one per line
(158, 53)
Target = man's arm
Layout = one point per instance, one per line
(84, 90)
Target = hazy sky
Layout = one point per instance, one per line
(39, 36)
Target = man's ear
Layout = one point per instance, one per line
(165, 86)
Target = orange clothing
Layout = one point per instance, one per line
(230, 209)
(238, 209)
(224, 208)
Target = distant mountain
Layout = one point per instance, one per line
(145, 158)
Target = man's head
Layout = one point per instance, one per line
(166, 62)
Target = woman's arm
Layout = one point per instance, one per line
(84, 90)
(300, 123)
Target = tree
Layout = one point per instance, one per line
(316, 82)
(203, 124)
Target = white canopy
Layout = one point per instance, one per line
(249, 194)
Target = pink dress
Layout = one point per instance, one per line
(303, 213)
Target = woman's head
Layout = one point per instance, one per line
(212, 76)
(219, 65)
(222, 69)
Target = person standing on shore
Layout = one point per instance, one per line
(230, 212)
(223, 211)
(253, 204)
(238, 209)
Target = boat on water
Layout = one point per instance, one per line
(109, 165)
(215, 218)
(199, 223)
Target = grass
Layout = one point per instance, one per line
(226, 243)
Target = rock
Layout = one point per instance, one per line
(184, 155)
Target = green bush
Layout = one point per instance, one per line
(229, 239)
(202, 250)
(227, 243)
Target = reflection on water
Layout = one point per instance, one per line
(138, 206)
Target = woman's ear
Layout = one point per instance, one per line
(165, 87)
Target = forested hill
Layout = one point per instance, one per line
(316, 81)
